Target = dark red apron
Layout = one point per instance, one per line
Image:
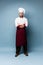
(21, 36)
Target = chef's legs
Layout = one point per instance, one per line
(25, 48)
(18, 49)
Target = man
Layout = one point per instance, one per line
(21, 23)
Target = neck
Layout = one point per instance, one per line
(21, 16)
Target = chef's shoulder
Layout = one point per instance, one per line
(25, 18)
(17, 19)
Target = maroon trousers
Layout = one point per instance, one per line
(21, 39)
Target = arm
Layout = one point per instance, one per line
(26, 23)
(22, 26)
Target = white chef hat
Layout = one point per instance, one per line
(21, 10)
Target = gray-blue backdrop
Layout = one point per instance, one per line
(34, 13)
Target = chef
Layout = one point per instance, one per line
(21, 23)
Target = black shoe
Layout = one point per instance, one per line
(16, 55)
(26, 54)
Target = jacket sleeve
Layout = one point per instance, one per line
(16, 24)
(26, 22)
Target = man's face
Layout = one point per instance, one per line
(21, 14)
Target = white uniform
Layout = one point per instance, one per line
(21, 21)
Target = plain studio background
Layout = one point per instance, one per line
(8, 13)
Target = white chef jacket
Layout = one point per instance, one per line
(20, 21)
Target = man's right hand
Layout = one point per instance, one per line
(21, 26)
